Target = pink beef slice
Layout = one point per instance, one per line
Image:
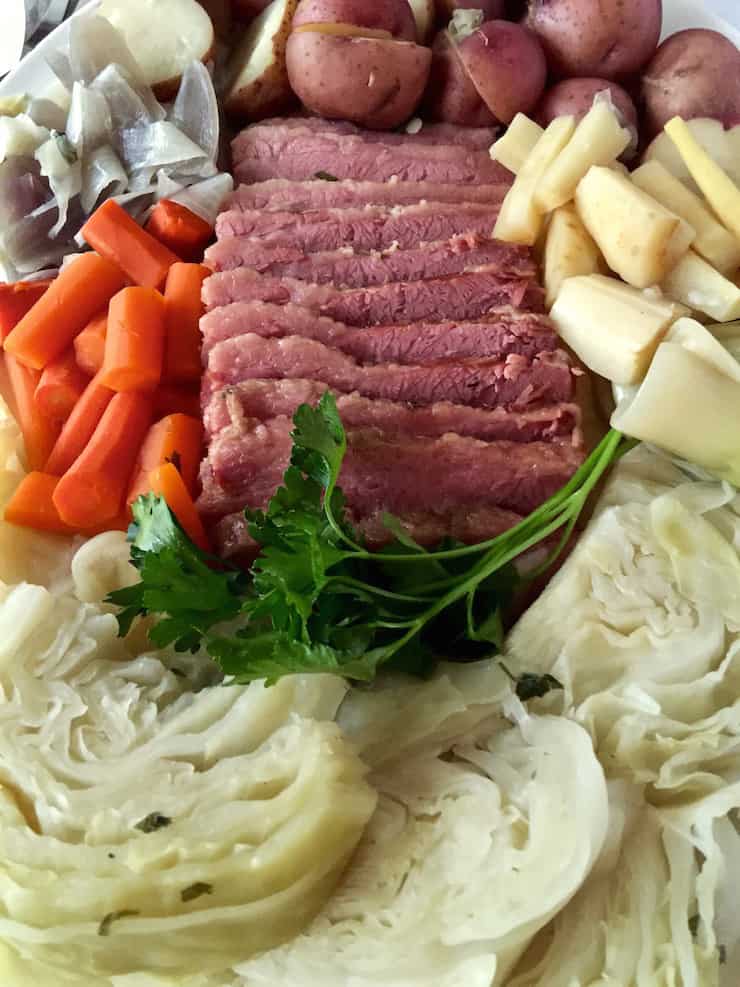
(240, 405)
(462, 296)
(346, 268)
(497, 335)
(479, 138)
(368, 228)
(513, 382)
(281, 195)
(392, 473)
(300, 153)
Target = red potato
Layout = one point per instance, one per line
(257, 82)
(387, 17)
(507, 66)
(491, 9)
(596, 39)
(694, 73)
(451, 96)
(374, 82)
(575, 97)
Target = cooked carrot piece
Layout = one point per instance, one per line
(90, 344)
(113, 234)
(16, 300)
(178, 228)
(176, 439)
(39, 432)
(92, 490)
(61, 386)
(79, 427)
(182, 311)
(174, 400)
(72, 299)
(134, 344)
(32, 505)
(166, 482)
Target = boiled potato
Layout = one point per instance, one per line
(713, 241)
(451, 95)
(569, 251)
(599, 139)
(694, 73)
(165, 36)
(602, 40)
(381, 18)
(507, 65)
(702, 288)
(640, 239)
(258, 84)
(575, 97)
(517, 142)
(723, 146)
(374, 82)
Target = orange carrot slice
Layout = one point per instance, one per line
(113, 234)
(16, 300)
(32, 505)
(173, 400)
(178, 228)
(61, 386)
(39, 432)
(166, 482)
(134, 344)
(182, 310)
(176, 439)
(90, 344)
(79, 427)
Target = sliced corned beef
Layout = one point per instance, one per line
(287, 196)
(395, 473)
(479, 138)
(515, 381)
(463, 296)
(368, 228)
(345, 268)
(239, 405)
(260, 153)
(509, 331)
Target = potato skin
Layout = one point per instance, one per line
(507, 65)
(373, 82)
(694, 73)
(604, 40)
(451, 96)
(394, 16)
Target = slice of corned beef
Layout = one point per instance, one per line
(508, 331)
(462, 296)
(281, 195)
(479, 138)
(369, 228)
(470, 525)
(394, 473)
(239, 405)
(278, 151)
(515, 381)
(346, 268)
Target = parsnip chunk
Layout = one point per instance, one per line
(569, 251)
(513, 149)
(698, 285)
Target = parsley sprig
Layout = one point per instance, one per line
(317, 599)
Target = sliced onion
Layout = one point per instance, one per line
(206, 198)
(128, 106)
(93, 45)
(146, 150)
(62, 169)
(22, 189)
(103, 176)
(47, 113)
(89, 124)
(20, 136)
(195, 111)
(60, 65)
(167, 187)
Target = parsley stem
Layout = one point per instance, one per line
(374, 590)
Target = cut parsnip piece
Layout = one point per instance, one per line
(718, 188)
(164, 36)
(599, 139)
(722, 146)
(613, 328)
(257, 77)
(513, 149)
(640, 239)
(520, 219)
(569, 251)
(697, 339)
(698, 285)
(687, 406)
(713, 241)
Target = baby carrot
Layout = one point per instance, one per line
(16, 300)
(72, 299)
(39, 432)
(79, 427)
(178, 228)
(182, 311)
(32, 505)
(173, 400)
(134, 344)
(176, 439)
(61, 386)
(166, 482)
(113, 234)
(90, 344)
(92, 490)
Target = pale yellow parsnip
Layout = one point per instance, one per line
(517, 143)
(570, 250)
(697, 284)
